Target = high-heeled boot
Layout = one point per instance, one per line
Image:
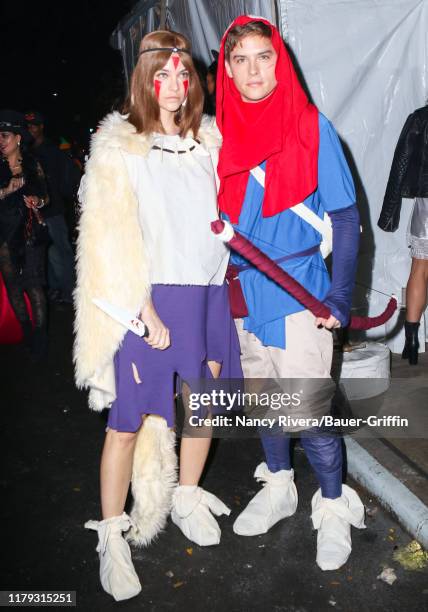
(411, 346)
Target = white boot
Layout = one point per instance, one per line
(191, 508)
(117, 573)
(277, 500)
(333, 519)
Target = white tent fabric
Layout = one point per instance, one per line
(365, 65)
(207, 21)
(202, 21)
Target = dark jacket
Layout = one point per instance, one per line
(408, 177)
(62, 176)
(13, 211)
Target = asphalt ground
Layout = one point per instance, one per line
(51, 445)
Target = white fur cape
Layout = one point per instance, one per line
(112, 264)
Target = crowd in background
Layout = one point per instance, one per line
(38, 187)
(39, 180)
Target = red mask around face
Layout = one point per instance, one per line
(282, 129)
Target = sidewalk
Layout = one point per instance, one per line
(51, 447)
(396, 469)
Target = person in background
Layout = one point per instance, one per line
(62, 177)
(22, 262)
(210, 81)
(408, 178)
(71, 213)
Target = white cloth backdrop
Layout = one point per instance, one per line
(365, 65)
(203, 21)
(206, 20)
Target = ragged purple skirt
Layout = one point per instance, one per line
(201, 330)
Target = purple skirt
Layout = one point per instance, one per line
(201, 330)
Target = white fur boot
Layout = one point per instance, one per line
(117, 573)
(277, 500)
(191, 512)
(333, 519)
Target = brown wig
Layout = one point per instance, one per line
(253, 28)
(142, 104)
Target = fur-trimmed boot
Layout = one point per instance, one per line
(191, 512)
(277, 500)
(333, 519)
(117, 573)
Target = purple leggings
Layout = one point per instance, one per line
(323, 451)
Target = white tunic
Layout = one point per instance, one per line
(177, 199)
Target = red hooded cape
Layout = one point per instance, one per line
(282, 129)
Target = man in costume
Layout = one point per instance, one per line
(281, 169)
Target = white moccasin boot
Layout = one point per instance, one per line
(117, 573)
(191, 512)
(333, 519)
(277, 500)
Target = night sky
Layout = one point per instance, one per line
(61, 48)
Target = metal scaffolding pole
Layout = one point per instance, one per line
(162, 22)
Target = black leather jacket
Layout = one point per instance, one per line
(408, 177)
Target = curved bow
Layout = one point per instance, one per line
(273, 271)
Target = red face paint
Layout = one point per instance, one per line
(186, 86)
(158, 85)
(175, 60)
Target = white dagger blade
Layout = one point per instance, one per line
(122, 316)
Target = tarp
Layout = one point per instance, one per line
(364, 63)
(202, 21)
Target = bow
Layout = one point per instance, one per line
(266, 265)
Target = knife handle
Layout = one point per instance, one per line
(137, 325)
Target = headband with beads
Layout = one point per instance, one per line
(171, 49)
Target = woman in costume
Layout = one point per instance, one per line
(22, 259)
(408, 178)
(145, 245)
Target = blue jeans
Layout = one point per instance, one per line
(60, 257)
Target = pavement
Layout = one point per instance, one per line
(51, 446)
(394, 466)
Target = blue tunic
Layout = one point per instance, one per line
(286, 233)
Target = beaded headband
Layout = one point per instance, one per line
(171, 49)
